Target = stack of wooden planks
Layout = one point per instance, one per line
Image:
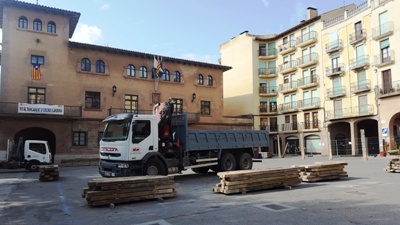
(393, 166)
(105, 191)
(323, 171)
(244, 181)
(48, 172)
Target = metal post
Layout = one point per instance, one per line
(363, 145)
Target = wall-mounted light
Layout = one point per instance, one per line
(114, 89)
(193, 96)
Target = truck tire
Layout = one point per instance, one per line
(227, 162)
(202, 170)
(244, 161)
(32, 166)
(154, 166)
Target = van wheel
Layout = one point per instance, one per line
(32, 166)
(154, 167)
(228, 162)
(244, 161)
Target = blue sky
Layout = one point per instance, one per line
(186, 29)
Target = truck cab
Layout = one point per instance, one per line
(28, 154)
(127, 137)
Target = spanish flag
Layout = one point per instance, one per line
(36, 73)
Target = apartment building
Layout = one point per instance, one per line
(60, 91)
(322, 85)
(361, 86)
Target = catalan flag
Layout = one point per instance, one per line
(36, 73)
(158, 66)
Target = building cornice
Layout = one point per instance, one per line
(118, 51)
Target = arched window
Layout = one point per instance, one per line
(100, 67)
(200, 79)
(51, 27)
(37, 25)
(143, 72)
(130, 70)
(23, 22)
(210, 80)
(167, 75)
(153, 73)
(177, 77)
(85, 65)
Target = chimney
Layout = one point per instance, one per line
(311, 12)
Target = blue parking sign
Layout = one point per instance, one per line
(384, 132)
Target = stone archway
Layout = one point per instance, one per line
(38, 133)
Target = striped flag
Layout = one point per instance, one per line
(158, 66)
(36, 73)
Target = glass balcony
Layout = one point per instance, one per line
(333, 46)
(288, 107)
(381, 61)
(289, 127)
(288, 67)
(307, 60)
(267, 72)
(307, 39)
(288, 47)
(358, 37)
(309, 103)
(356, 111)
(360, 86)
(308, 82)
(336, 92)
(334, 70)
(288, 87)
(361, 62)
(383, 31)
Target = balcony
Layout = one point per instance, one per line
(307, 60)
(382, 31)
(309, 103)
(266, 54)
(272, 128)
(360, 86)
(288, 107)
(12, 109)
(288, 67)
(267, 72)
(359, 63)
(270, 108)
(287, 47)
(288, 87)
(289, 127)
(267, 91)
(380, 61)
(357, 111)
(388, 90)
(358, 37)
(307, 39)
(310, 126)
(331, 71)
(308, 82)
(334, 46)
(336, 92)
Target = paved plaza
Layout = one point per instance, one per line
(369, 195)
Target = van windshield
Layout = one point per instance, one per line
(116, 130)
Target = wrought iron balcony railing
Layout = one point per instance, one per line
(357, 111)
(383, 30)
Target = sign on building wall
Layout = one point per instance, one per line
(384, 132)
(40, 109)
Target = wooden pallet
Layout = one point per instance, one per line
(393, 166)
(49, 173)
(323, 171)
(104, 191)
(244, 181)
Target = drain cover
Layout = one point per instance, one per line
(274, 207)
(156, 222)
(357, 192)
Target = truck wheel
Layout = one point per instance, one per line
(228, 162)
(202, 170)
(32, 166)
(244, 161)
(154, 166)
